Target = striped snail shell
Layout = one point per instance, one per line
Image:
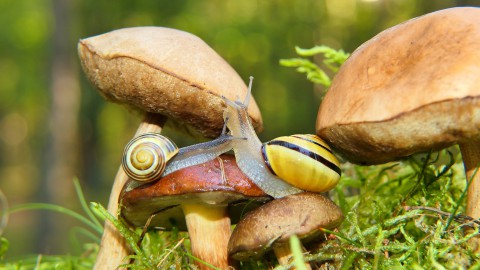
(304, 161)
(145, 157)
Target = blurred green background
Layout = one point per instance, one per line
(54, 126)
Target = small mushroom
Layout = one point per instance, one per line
(204, 198)
(272, 224)
(412, 88)
(165, 73)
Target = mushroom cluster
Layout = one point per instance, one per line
(412, 88)
(172, 74)
(165, 73)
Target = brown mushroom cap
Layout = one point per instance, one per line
(302, 214)
(166, 71)
(411, 88)
(199, 184)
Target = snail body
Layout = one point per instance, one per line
(248, 152)
(300, 164)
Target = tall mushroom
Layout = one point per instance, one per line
(165, 73)
(209, 195)
(271, 225)
(411, 88)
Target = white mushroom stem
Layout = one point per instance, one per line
(113, 247)
(209, 231)
(471, 160)
(284, 255)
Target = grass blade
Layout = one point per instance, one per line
(296, 248)
(83, 202)
(56, 208)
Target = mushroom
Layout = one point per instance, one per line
(164, 73)
(204, 198)
(272, 224)
(411, 88)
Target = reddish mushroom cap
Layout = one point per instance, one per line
(213, 183)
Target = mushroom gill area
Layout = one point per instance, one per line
(430, 127)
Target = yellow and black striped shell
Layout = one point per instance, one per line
(145, 157)
(304, 161)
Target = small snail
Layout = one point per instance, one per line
(149, 156)
(145, 157)
(281, 167)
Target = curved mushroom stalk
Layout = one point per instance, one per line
(471, 161)
(113, 247)
(203, 199)
(382, 106)
(165, 71)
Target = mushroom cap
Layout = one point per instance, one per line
(411, 88)
(200, 184)
(302, 214)
(166, 71)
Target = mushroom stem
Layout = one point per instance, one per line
(471, 160)
(284, 255)
(113, 247)
(209, 231)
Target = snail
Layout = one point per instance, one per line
(309, 174)
(303, 160)
(146, 157)
(283, 166)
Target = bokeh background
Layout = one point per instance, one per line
(54, 126)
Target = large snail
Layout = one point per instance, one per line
(302, 160)
(281, 167)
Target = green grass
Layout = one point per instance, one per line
(92, 230)
(401, 215)
(332, 60)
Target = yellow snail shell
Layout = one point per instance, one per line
(277, 182)
(304, 161)
(145, 157)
